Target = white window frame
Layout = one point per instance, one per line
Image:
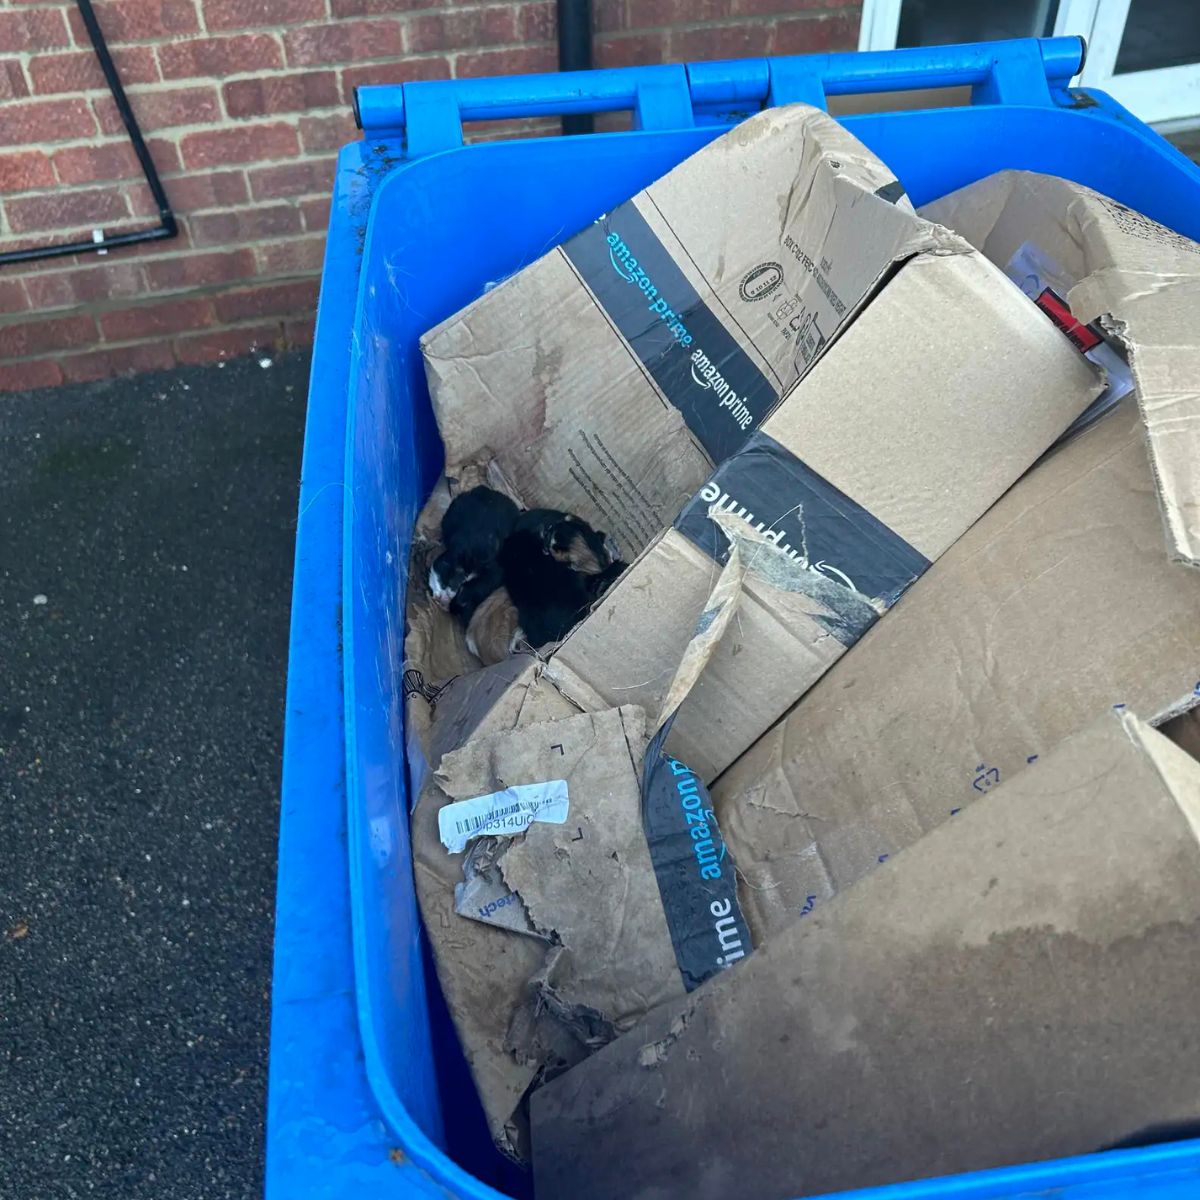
(1166, 95)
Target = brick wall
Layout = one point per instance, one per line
(243, 104)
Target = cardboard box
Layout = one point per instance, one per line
(1127, 277)
(940, 394)
(609, 376)
(535, 883)
(1060, 602)
(1019, 985)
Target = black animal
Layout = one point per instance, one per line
(552, 564)
(473, 530)
(574, 542)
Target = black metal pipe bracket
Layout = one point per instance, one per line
(167, 226)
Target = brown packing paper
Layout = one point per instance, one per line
(1141, 280)
(571, 946)
(777, 230)
(483, 971)
(941, 393)
(1018, 985)
(1058, 603)
(555, 941)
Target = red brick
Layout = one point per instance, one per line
(219, 56)
(296, 256)
(210, 190)
(782, 8)
(817, 33)
(349, 41)
(634, 50)
(24, 171)
(165, 155)
(13, 297)
(138, 20)
(117, 360)
(275, 300)
(80, 71)
(377, 8)
(537, 22)
(299, 333)
(40, 336)
(467, 28)
(281, 93)
(250, 14)
(200, 270)
(88, 164)
(405, 71)
(327, 133)
(65, 210)
(292, 179)
(161, 110)
(609, 16)
(720, 41)
(120, 360)
(520, 61)
(32, 122)
(244, 225)
(116, 280)
(241, 144)
(34, 373)
(496, 131)
(227, 343)
(315, 213)
(155, 319)
(13, 85)
(659, 14)
(34, 29)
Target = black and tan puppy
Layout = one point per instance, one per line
(574, 542)
(473, 530)
(554, 566)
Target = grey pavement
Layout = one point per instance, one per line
(146, 531)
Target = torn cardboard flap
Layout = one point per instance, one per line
(550, 942)
(1140, 280)
(484, 971)
(608, 377)
(932, 1019)
(941, 393)
(1060, 602)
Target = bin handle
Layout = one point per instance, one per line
(429, 114)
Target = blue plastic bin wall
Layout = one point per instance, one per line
(368, 1094)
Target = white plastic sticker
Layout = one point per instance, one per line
(502, 814)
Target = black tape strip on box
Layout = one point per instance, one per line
(846, 555)
(686, 348)
(693, 866)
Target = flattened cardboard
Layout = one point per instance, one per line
(610, 375)
(1059, 603)
(1019, 985)
(483, 970)
(943, 391)
(1139, 279)
(567, 944)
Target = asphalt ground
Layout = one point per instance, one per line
(146, 533)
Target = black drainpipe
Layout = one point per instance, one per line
(166, 227)
(575, 53)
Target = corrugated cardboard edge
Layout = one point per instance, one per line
(1135, 306)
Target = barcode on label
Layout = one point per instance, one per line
(509, 812)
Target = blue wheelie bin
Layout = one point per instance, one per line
(369, 1096)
